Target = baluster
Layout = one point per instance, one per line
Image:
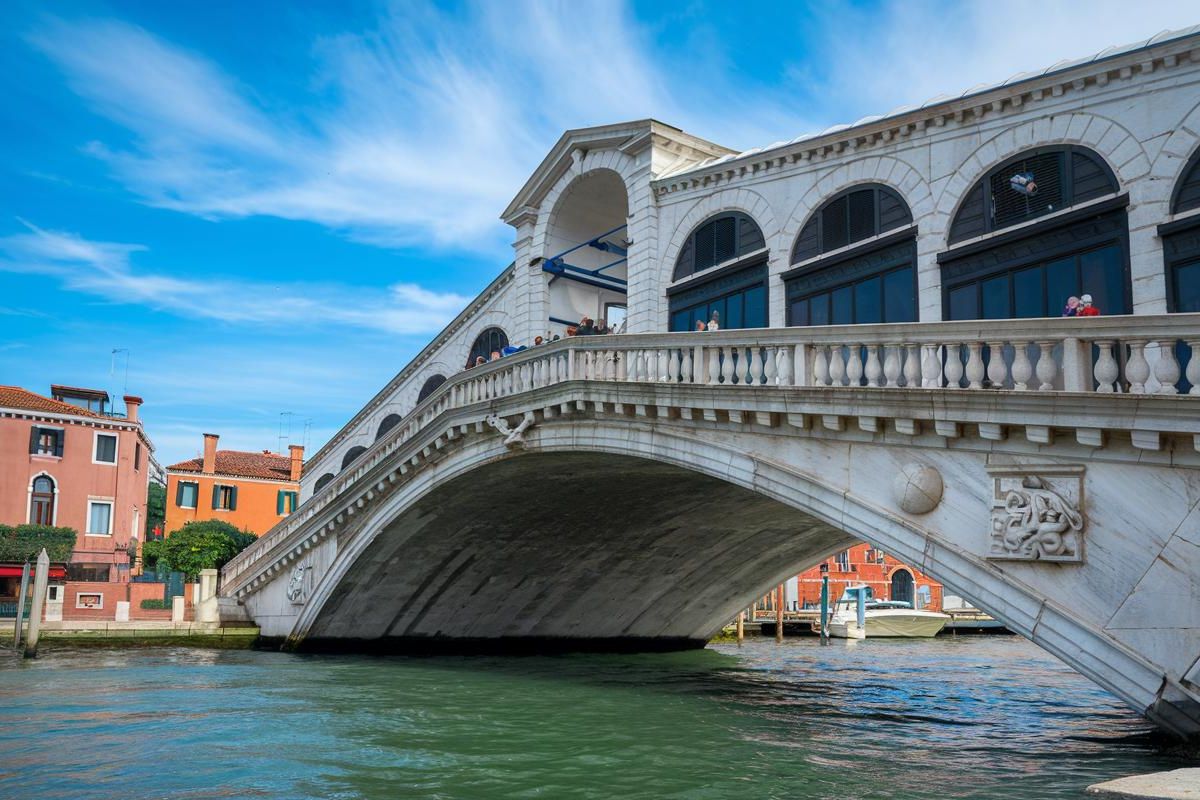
(837, 366)
(663, 365)
(652, 365)
(622, 363)
(785, 357)
(975, 365)
(1166, 371)
(821, 366)
(727, 365)
(912, 366)
(1105, 371)
(931, 367)
(685, 364)
(714, 363)
(771, 366)
(997, 370)
(756, 366)
(892, 353)
(1047, 369)
(1022, 368)
(1193, 367)
(673, 366)
(1137, 370)
(954, 366)
(874, 370)
(854, 365)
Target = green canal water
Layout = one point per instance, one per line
(951, 718)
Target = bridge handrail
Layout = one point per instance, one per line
(1134, 353)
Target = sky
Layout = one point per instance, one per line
(253, 215)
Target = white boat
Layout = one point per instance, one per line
(881, 618)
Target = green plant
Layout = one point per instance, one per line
(24, 542)
(156, 506)
(152, 551)
(208, 544)
(151, 602)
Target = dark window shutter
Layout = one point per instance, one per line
(216, 495)
(59, 439)
(1089, 179)
(232, 498)
(279, 501)
(971, 218)
(806, 246)
(1187, 195)
(33, 438)
(686, 263)
(750, 236)
(724, 239)
(893, 212)
(862, 214)
(705, 255)
(835, 230)
(179, 495)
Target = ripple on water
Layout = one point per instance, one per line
(954, 718)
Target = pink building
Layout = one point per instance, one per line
(67, 460)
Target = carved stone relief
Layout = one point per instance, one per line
(1037, 513)
(513, 437)
(917, 488)
(300, 584)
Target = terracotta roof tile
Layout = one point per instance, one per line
(241, 464)
(16, 397)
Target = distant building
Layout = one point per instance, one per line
(253, 491)
(68, 460)
(888, 578)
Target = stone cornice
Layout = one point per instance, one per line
(966, 110)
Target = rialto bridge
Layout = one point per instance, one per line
(636, 491)
(891, 367)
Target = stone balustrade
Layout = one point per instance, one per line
(1116, 355)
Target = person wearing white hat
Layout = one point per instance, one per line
(1086, 309)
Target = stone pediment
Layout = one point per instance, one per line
(631, 138)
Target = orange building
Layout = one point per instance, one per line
(71, 461)
(253, 491)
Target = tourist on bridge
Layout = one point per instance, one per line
(700, 326)
(585, 327)
(1086, 309)
(714, 323)
(1072, 307)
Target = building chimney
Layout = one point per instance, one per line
(210, 453)
(297, 453)
(132, 404)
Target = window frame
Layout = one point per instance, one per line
(56, 451)
(79, 600)
(99, 501)
(1067, 171)
(96, 448)
(817, 217)
(221, 491)
(34, 494)
(179, 491)
(740, 249)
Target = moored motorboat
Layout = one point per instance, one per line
(881, 618)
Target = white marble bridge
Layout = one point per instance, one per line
(636, 491)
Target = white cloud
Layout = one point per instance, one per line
(104, 269)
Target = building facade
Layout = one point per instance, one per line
(1002, 201)
(252, 491)
(888, 578)
(69, 461)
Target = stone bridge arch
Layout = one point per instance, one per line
(426, 568)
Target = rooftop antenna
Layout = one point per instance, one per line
(285, 429)
(307, 429)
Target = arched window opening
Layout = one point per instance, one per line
(849, 217)
(351, 454)
(1181, 242)
(717, 240)
(389, 422)
(1031, 185)
(1032, 271)
(491, 340)
(902, 586)
(323, 481)
(434, 381)
(874, 282)
(736, 294)
(41, 501)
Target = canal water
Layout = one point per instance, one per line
(972, 717)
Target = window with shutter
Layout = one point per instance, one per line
(1031, 185)
(1186, 196)
(106, 449)
(718, 240)
(279, 500)
(848, 217)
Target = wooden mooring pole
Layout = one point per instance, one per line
(741, 627)
(779, 614)
(41, 578)
(18, 629)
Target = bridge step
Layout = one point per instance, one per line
(231, 613)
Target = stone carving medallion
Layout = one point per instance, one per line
(1037, 513)
(917, 488)
(300, 584)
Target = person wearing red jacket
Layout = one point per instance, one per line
(1086, 309)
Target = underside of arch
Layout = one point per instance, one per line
(569, 551)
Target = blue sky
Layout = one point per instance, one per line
(271, 209)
